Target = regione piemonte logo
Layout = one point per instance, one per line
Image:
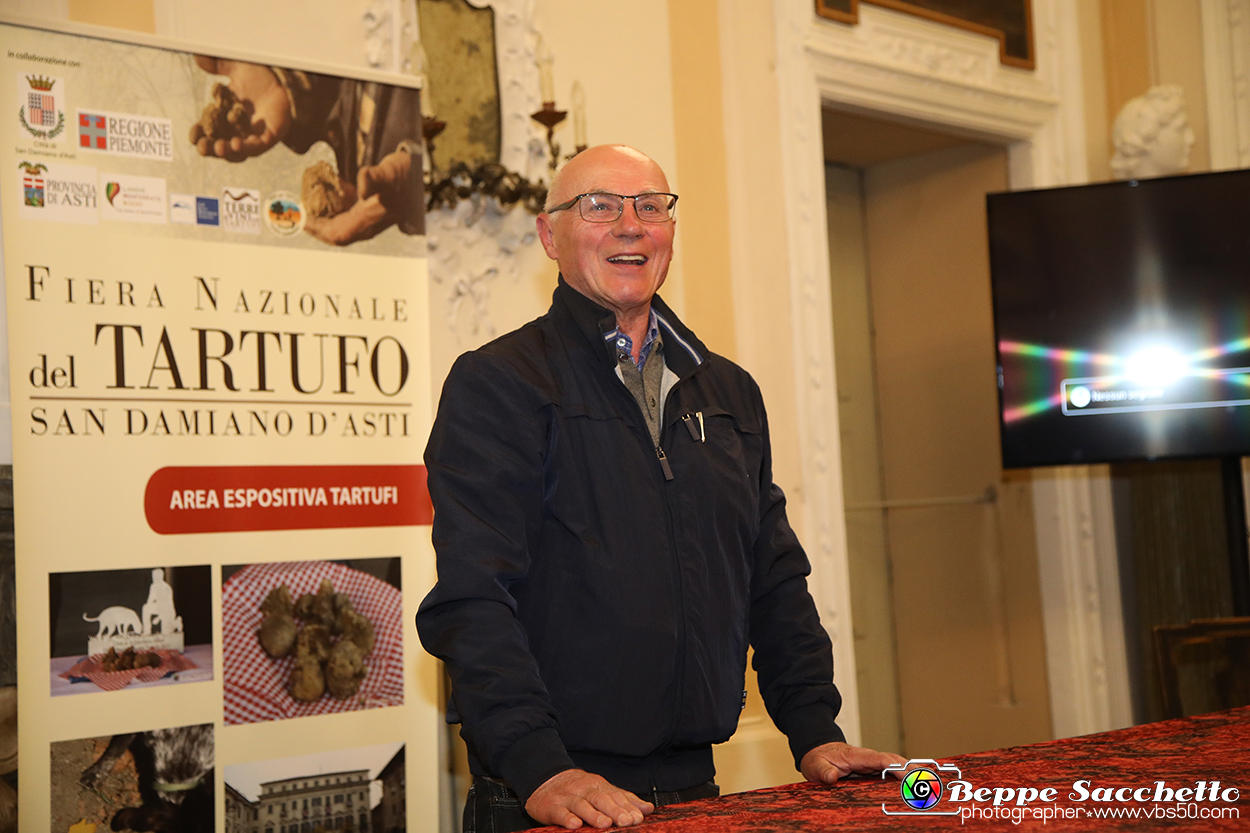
(126, 134)
(921, 788)
(93, 131)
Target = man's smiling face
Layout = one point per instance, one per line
(618, 265)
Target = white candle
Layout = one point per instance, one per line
(578, 98)
(544, 59)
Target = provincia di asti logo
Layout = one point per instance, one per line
(930, 788)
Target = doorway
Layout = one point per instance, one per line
(946, 601)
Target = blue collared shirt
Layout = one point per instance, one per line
(625, 344)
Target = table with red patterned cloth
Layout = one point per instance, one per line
(1180, 754)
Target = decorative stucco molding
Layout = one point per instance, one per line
(474, 244)
(472, 247)
(1086, 662)
(390, 28)
(1226, 58)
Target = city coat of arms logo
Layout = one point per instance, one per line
(32, 183)
(41, 112)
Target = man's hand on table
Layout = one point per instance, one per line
(576, 797)
(831, 761)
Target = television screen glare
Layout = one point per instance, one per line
(1122, 319)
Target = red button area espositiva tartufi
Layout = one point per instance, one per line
(189, 499)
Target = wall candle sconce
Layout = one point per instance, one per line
(490, 179)
(548, 116)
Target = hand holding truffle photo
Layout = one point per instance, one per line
(323, 193)
(383, 194)
(247, 116)
(224, 118)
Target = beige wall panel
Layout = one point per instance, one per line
(756, 229)
(326, 31)
(1126, 46)
(753, 278)
(699, 131)
(1098, 148)
(136, 15)
(1178, 60)
(966, 597)
(968, 679)
(867, 543)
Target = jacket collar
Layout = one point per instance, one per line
(683, 351)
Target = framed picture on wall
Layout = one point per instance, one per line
(1010, 21)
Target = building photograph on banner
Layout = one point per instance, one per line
(328, 791)
(217, 309)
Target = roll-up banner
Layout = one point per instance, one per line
(216, 295)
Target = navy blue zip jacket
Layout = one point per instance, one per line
(596, 595)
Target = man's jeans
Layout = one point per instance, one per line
(493, 808)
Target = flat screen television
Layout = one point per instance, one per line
(1122, 319)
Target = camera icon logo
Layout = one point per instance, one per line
(921, 788)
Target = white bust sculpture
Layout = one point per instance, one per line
(1152, 135)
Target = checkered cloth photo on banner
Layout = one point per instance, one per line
(256, 685)
(92, 668)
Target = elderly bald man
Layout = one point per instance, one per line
(610, 540)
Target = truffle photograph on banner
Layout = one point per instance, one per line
(130, 629)
(311, 637)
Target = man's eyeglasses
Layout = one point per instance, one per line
(606, 208)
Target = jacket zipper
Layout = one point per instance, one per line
(668, 470)
(679, 700)
(696, 434)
